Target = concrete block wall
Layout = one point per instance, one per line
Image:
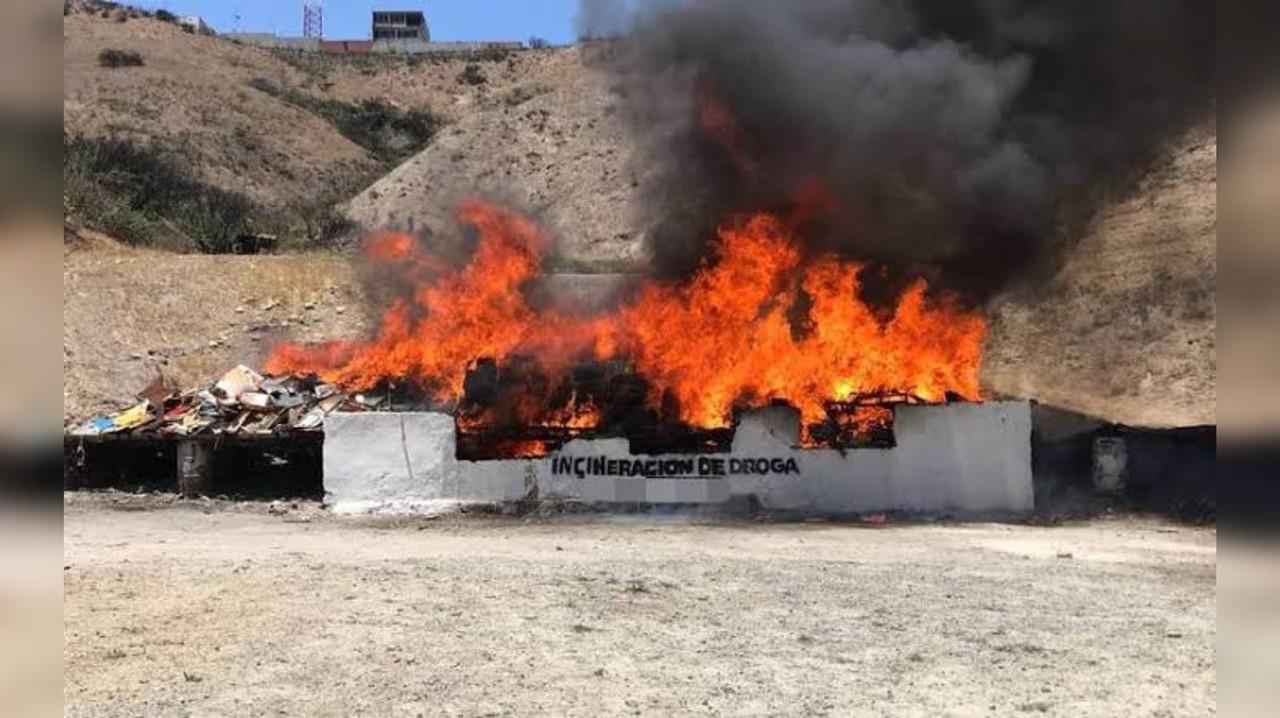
(470, 46)
(968, 459)
(409, 46)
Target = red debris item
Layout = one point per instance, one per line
(177, 411)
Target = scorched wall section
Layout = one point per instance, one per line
(966, 458)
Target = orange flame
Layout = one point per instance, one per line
(728, 337)
(719, 123)
(431, 339)
(390, 247)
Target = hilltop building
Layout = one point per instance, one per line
(391, 31)
(400, 25)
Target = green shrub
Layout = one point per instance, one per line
(120, 58)
(141, 195)
(323, 224)
(387, 132)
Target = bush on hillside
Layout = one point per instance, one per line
(142, 195)
(387, 132)
(120, 58)
(472, 75)
(323, 223)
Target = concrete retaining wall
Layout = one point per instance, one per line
(276, 42)
(408, 46)
(972, 459)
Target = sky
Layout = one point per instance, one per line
(349, 19)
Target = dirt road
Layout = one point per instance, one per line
(231, 609)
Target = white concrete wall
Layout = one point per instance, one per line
(961, 458)
(407, 462)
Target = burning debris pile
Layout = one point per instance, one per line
(761, 322)
(242, 402)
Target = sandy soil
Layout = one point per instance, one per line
(229, 609)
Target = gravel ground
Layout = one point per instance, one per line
(208, 608)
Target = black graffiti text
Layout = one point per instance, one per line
(681, 468)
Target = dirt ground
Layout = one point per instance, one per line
(207, 608)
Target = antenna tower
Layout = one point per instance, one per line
(312, 19)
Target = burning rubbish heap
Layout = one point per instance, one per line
(242, 402)
(671, 367)
(761, 322)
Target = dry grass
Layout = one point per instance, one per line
(131, 313)
(192, 95)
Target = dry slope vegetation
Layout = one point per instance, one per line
(192, 97)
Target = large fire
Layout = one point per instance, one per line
(760, 321)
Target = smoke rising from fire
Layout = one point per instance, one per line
(831, 186)
(601, 18)
(966, 141)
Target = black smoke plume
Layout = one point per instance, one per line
(965, 140)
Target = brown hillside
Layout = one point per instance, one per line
(433, 82)
(1126, 328)
(552, 143)
(192, 96)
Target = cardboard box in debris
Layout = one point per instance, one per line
(241, 402)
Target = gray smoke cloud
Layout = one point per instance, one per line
(964, 140)
(602, 18)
